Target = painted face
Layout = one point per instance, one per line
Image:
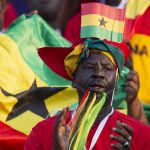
(97, 73)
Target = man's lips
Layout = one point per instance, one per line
(97, 88)
(100, 85)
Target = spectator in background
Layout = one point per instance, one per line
(47, 9)
(55, 12)
(3, 5)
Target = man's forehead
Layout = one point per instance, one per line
(95, 57)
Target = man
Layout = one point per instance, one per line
(93, 66)
(47, 9)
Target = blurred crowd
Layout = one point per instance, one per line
(56, 12)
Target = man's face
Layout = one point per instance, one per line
(97, 73)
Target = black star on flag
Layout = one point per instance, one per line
(32, 99)
(102, 22)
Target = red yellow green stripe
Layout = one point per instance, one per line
(94, 20)
(102, 21)
(94, 31)
(103, 10)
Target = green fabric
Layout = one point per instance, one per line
(147, 111)
(87, 123)
(103, 46)
(120, 93)
(95, 31)
(30, 33)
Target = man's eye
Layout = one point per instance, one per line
(87, 67)
(108, 68)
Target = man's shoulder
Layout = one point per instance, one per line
(130, 120)
(50, 122)
(46, 123)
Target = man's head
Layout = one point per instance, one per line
(46, 8)
(97, 73)
(93, 64)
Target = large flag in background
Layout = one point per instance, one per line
(29, 90)
(140, 42)
(134, 9)
(102, 21)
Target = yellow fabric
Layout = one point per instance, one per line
(124, 111)
(83, 122)
(142, 65)
(14, 68)
(111, 25)
(78, 113)
(16, 77)
(109, 56)
(72, 59)
(136, 7)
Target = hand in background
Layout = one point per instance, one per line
(132, 86)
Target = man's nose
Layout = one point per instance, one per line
(98, 72)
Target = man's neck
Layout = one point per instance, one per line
(103, 113)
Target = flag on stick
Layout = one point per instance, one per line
(102, 21)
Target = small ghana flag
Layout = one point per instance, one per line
(102, 21)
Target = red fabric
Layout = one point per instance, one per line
(11, 139)
(142, 23)
(41, 136)
(129, 24)
(54, 58)
(72, 31)
(102, 10)
(10, 15)
(138, 25)
(123, 47)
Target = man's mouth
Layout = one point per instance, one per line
(97, 88)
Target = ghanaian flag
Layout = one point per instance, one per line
(102, 21)
(140, 42)
(29, 90)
